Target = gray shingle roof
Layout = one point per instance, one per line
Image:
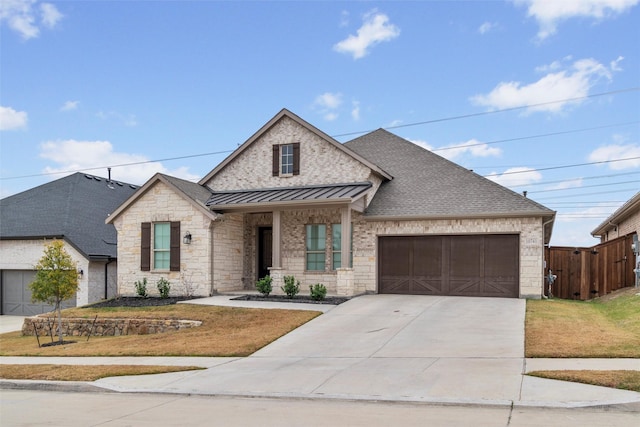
(427, 185)
(197, 192)
(74, 207)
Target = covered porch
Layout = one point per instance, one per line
(299, 231)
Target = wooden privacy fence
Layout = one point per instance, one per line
(585, 273)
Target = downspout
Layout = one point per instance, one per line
(544, 225)
(106, 277)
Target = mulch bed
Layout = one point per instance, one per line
(137, 302)
(156, 301)
(298, 298)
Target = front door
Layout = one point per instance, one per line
(265, 248)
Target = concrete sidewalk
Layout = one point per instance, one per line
(384, 348)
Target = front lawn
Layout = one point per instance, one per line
(601, 328)
(225, 331)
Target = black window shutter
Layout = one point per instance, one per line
(296, 158)
(174, 245)
(145, 247)
(276, 160)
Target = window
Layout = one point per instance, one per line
(316, 236)
(165, 251)
(161, 245)
(336, 246)
(286, 159)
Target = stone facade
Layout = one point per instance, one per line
(362, 277)
(161, 204)
(320, 163)
(76, 327)
(366, 233)
(224, 253)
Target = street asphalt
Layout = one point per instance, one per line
(390, 348)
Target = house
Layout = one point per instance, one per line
(624, 221)
(378, 214)
(74, 209)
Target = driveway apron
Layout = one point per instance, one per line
(387, 347)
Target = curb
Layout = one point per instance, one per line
(79, 387)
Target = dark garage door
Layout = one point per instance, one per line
(16, 295)
(467, 265)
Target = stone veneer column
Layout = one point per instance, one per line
(277, 280)
(345, 221)
(276, 258)
(345, 282)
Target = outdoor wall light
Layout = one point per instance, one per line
(187, 238)
(81, 272)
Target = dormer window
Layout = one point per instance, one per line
(286, 159)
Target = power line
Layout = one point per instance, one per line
(395, 127)
(576, 179)
(562, 167)
(634, 190)
(542, 135)
(504, 110)
(117, 166)
(584, 186)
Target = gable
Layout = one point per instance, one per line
(320, 160)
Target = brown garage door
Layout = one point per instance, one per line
(468, 265)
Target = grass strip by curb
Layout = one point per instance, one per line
(624, 380)
(50, 372)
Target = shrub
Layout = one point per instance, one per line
(291, 286)
(163, 287)
(264, 286)
(318, 291)
(141, 287)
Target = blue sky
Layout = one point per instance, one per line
(520, 91)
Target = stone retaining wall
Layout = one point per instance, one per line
(104, 327)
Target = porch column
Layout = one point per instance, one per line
(345, 259)
(276, 259)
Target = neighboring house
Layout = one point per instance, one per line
(376, 214)
(624, 221)
(74, 209)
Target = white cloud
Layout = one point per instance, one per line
(69, 106)
(375, 29)
(486, 27)
(549, 13)
(344, 18)
(127, 120)
(72, 155)
(11, 119)
(50, 15)
(355, 110)
(516, 176)
(617, 151)
(423, 144)
(573, 82)
(22, 16)
(473, 146)
(327, 104)
(570, 183)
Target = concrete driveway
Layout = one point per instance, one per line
(386, 347)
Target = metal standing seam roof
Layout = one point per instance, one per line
(311, 193)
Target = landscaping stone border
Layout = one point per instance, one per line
(104, 327)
